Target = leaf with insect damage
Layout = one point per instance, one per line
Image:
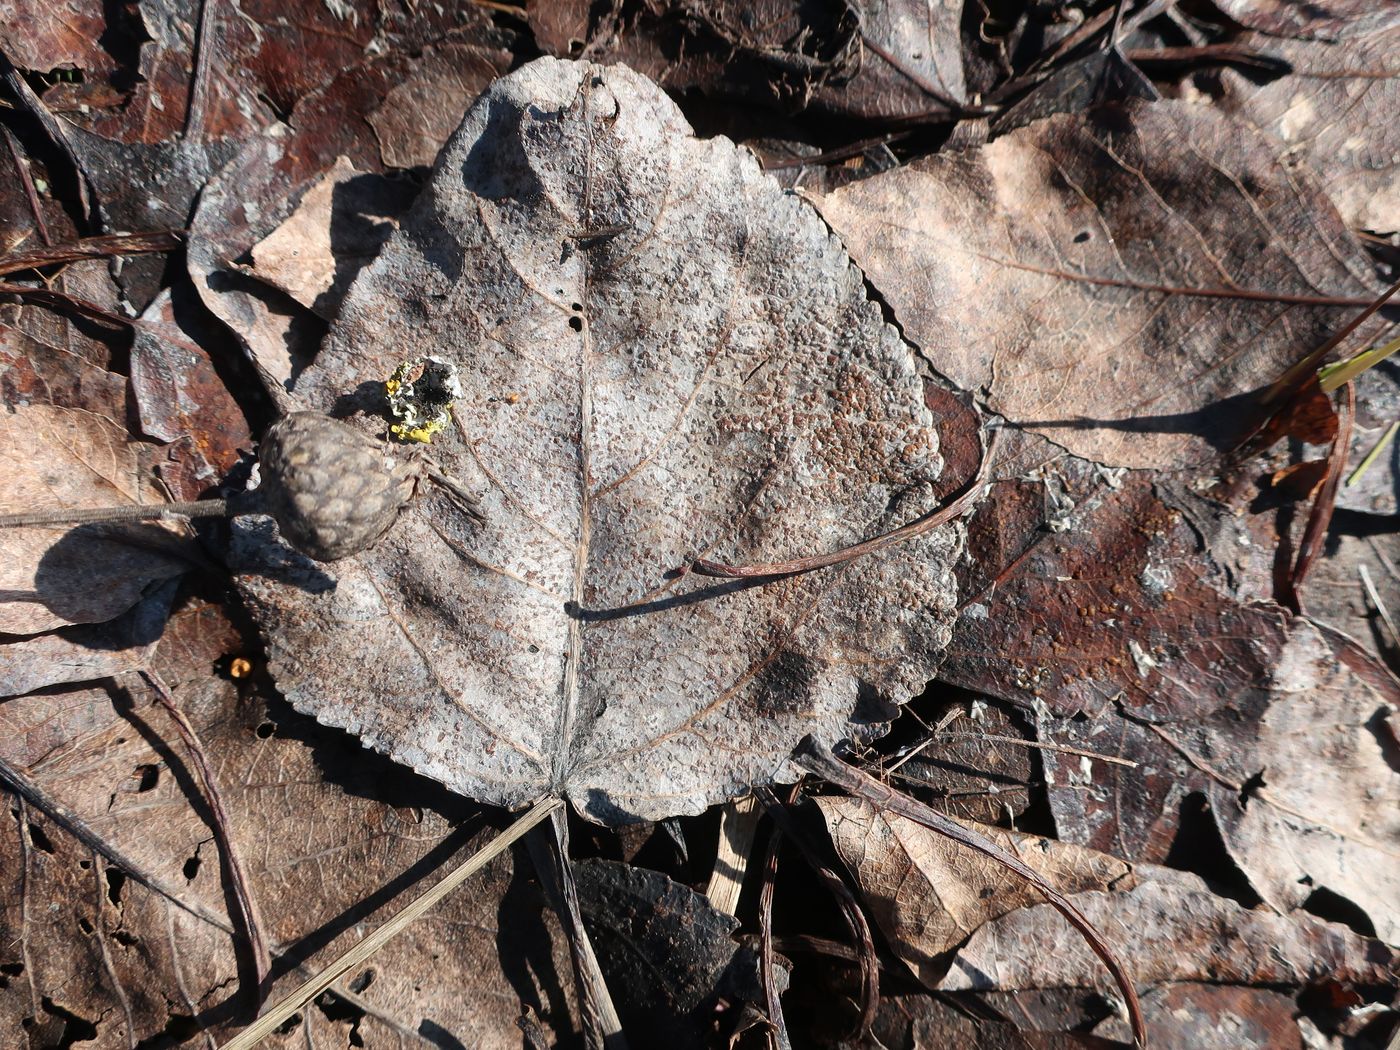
(663, 357)
(117, 914)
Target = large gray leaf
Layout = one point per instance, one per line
(664, 356)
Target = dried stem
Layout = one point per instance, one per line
(966, 495)
(91, 248)
(223, 831)
(207, 508)
(777, 1031)
(602, 1026)
(1320, 516)
(819, 760)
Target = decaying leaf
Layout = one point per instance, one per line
(928, 894)
(663, 356)
(1332, 111)
(62, 458)
(445, 81)
(1085, 588)
(1117, 281)
(1320, 19)
(1174, 929)
(1297, 776)
(670, 958)
(332, 840)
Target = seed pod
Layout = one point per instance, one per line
(332, 490)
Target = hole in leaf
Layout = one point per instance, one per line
(179, 1029)
(337, 1009)
(75, 1029)
(363, 981)
(191, 868)
(147, 777)
(116, 882)
(1198, 848)
(1333, 907)
(289, 1025)
(1081, 236)
(265, 730)
(85, 926)
(576, 323)
(39, 838)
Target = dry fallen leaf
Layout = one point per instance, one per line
(673, 962)
(1333, 112)
(663, 357)
(1174, 929)
(1140, 270)
(332, 840)
(61, 458)
(928, 894)
(1323, 19)
(1297, 776)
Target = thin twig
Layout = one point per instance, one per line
(819, 760)
(91, 248)
(777, 1026)
(222, 828)
(64, 301)
(30, 191)
(1370, 458)
(1041, 745)
(205, 508)
(1297, 374)
(864, 951)
(1320, 517)
(954, 508)
(271, 1020)
(1375, 599)
(865, 944)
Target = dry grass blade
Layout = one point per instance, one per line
(602, 1026)
(736, 832)
(273, 1018)
(819, 760)
(1292, 380)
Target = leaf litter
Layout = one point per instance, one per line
(1101, 613)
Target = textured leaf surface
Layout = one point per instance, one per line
(663, 357)
(1058, 270)
(333, 841)
(928, 894)
(1332, 111)
(1174, 929)
(57, 459)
